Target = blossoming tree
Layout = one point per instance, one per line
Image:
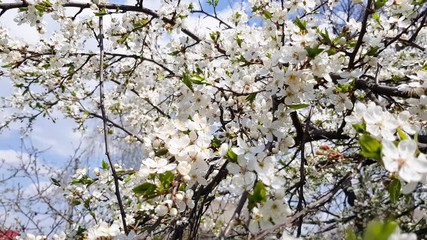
(271, 119)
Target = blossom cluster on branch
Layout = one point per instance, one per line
(275, 119)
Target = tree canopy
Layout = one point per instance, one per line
(258, 119)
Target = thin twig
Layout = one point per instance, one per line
(104, 122)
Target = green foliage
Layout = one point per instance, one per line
(267, 15)
(360, 128)
(105, 166)
(402, 135)
(394, 190)
(213, 3)
(55, 182)
(251, 97)
(85, 180)
(8, 65)
(378, 230)
(166, 180)
(312, 52)
(193, 79)
(160, 152)
(370, 147)
(324, 36)
(349, 234)
(146, 189)
(379, 4)
(101, 12)
(43, 7)
(259, 195)
(239, 40)
(215, 36)
(216, 143)
(302, 25)
(231, 156)
(376, 17)
(373, 51)
(298, 106)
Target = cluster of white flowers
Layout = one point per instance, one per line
(380, 123)
(225, 110)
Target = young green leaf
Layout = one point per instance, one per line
(394, 190)
(377, 230)
(105, 165)
(231, 156)
(370, 147)
(145, 189)
(298, 106)
(259, 195)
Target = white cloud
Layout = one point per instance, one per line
(58, 137)
(12, 157)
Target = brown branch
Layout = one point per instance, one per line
(383, 90)
(236, 212)
(359, 42)
(312, 206)
(116, 7)
(105, 127)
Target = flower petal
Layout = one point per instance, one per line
(419, 163)
(407, 148)
(408, 174)
(389, 150)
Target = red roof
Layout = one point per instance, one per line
(8, 234)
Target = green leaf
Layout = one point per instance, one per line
(349, 234)
(267, 15)
(55, 182)
(370, 147)
(231, 156)
(76, 203)
(160, 152)
(101, 12)
(373, 51)
(190, 79)
(239, 40)
(376, 17)
(312, 52)
(402, 135)
(186, 79)
(394, 190)
(86, 180)
(40, 7)
(216, 3)
(7, 65)
(302, 25)
(298, 106)
(87, 203)
(360, 128)
(145, 189)
(259, 195)
(377, 230)
(197, 79)
(166, 180)
(105, 165)
(215, 36)
(174, 53)
(216, 143)
(325, 36)
(379, 4)
(251, 97)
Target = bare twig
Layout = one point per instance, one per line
(104, 122)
